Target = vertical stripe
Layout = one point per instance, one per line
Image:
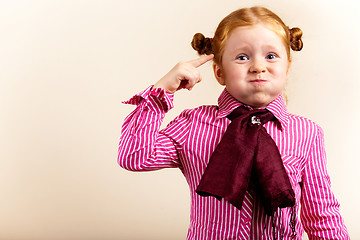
(188, 142)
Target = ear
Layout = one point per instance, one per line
(219, 75)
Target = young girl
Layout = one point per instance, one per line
(251, 54)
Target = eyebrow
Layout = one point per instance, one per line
(247, 48)
(240, 49)
(272, 47)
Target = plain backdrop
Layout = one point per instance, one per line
(65, 67)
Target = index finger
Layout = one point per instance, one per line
(201, 60)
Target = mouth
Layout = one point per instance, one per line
(258, 81)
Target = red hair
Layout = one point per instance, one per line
(246, 17)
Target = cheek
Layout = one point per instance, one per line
(232, 74)
(281, 71)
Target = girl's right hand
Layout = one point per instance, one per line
(183, 75)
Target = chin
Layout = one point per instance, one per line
(255, 106)
(259, 103)
(262, 100)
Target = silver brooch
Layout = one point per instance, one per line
(255, 120)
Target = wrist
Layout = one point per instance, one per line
(159, 85)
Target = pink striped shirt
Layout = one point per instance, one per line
(188, 142)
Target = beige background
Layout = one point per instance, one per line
(65, 67)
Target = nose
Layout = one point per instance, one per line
(258, 67)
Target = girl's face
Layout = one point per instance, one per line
(254, 65)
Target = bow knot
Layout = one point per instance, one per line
(247, 155)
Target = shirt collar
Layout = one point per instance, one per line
(228, 103)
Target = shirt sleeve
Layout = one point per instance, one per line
(319, 208)
(142, 146)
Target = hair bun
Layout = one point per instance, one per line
(202, 44)
(295, 39)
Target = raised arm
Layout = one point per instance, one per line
(142, 146)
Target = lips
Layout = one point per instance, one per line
(258, 81)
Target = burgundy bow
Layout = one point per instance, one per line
(247, 156)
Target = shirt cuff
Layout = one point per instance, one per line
(148, 95)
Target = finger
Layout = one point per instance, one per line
(188, 83)
(201, 60)
(183, 84)
(191, 83)
(199, 79)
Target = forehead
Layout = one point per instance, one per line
(254, 36)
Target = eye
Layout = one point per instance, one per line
(242, 58)
(271, 56)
